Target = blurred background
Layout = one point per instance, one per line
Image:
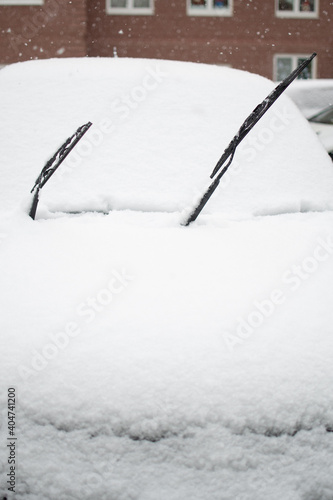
(268, 37)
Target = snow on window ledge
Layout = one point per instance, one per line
(129, 9)
(300, 9)
(298, 15)
(15, 3)
(208, 9)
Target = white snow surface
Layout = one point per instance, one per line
(159, 128)
(153, 361)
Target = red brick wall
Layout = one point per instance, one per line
(56, 29)
(247, 40)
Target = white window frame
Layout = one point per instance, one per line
(130, 10)
(294, 64)
(15, 3)
(296, 12)
(209, 10)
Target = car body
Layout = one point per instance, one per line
(152, 360)
(322, 124)
(312, 95)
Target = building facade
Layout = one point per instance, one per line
(268, 37)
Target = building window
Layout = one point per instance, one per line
(285, 64)
(132, 7)
(297, 8)
(209, 7)
(21, 2)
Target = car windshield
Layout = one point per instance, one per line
(325, 116)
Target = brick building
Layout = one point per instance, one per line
(268, 37)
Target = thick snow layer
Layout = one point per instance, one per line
(153, 361)
(159, 128)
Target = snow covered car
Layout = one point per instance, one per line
(142, 359)
(322, 123)
(311, 95)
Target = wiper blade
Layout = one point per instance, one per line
(53, 163)
(228, 154)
